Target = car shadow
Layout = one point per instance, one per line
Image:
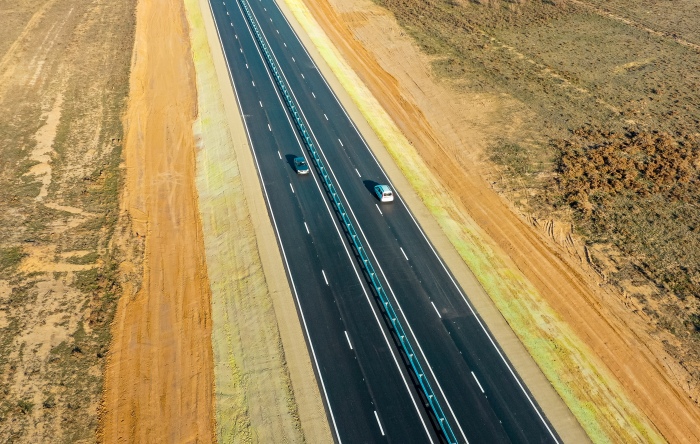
(370, 184)
(290, 160)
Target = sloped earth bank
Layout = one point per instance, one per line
(64, 77)
(596, 352)
(159, 377)
(265, 388)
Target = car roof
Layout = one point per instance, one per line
(299, 159)
(383, 188)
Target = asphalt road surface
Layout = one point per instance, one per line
(369, 389)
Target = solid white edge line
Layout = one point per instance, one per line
(493, 343)
(307, 228)
(324, 276)
(330, 212)
(378, 209)
(478, 383)
(381, 429)
(404, 253)
(274, 222)
(348, 338)
(436, 310)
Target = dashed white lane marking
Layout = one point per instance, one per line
(260, 103)
(324, 115)
(269, 127)
(324, 276)
(279, 155)
(290, 186)
(307, 228)
(358, 173)
(278, 31)
(404, 253)
(478, 383)
(236, 34)
(381, 429)
(285, 45)
(246, 66)
(313, 95)
(253, 83)
(241, 50)
(341, 142)
(380, 211)
(436, 310)
(231, 24)
(348, 338)
(302, 76)
(226, 12)
(293, 60)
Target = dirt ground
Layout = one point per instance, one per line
(455, 114)
(64, 68)
(159, 377)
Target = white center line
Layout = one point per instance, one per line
(260, 103)
(324, 276)
(381, 429)
(404, 253)
(269, 127)
(313, 95)
(348, 338)
(307, 228)
(478, 383)
(358, 173)
(436, 310)
(341, 142)
(324, 115)
(380, 211)
(290, 186)
(279, 155)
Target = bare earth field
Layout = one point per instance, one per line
(64, 69)
(584, 122)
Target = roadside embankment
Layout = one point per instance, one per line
(159, 377)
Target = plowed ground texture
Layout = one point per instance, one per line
(64, 71)
(615, 90)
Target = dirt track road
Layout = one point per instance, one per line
(159, 377)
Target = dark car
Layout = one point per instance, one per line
(301, 166)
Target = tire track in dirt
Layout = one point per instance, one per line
(159, 378)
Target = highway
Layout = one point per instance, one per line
(369, 389)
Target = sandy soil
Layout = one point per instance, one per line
(431, 116)
(159, 378)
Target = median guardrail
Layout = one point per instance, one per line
(357, 243)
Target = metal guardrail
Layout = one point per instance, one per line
(366, 263)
